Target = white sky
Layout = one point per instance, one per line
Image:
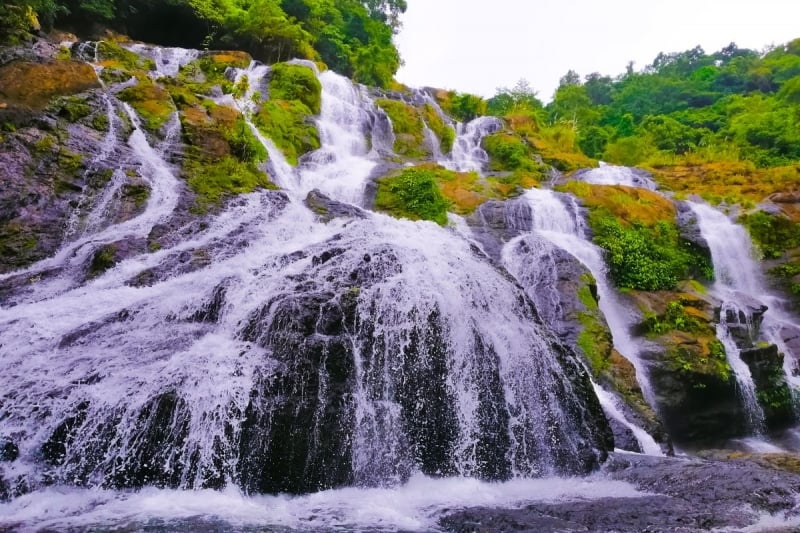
(477, 46)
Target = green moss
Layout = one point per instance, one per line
(212, 181)
(407, 126)
(73, 108)
(509, 152)
(638, 231)
(772, 234)
(16, 243)
(151, 102)
(445, 133)
(137, 193)
(296, 82)
(113, 55)
(414, 194)
(287, 123)
(100, 122)
(243, 143)
(69, 162)
(104, 258)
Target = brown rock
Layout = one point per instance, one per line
(35, 84)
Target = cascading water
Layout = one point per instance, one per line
(167, 60)
(352, 136)
(556, 219)
(616, 175)
(276, 353)
(738, 278)
(467, 154)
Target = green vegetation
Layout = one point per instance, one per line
(151, 102)
(509, 152)
(289, 126)
(353, 37)
(104, 258)
(414, 194)
(296, 82)
(445, 133)
(408, 127)
(212, 180)
(773, 234)
(638, 231)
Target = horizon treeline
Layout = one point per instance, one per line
(734, 104)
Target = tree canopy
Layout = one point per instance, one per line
(353, 37)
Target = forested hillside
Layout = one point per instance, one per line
(729, 107)
(352, 37)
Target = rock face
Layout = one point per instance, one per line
(774, 394)
(681, 495)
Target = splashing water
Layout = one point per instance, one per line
(467, 154)
(617, 175)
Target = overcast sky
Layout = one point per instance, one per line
(477, 46)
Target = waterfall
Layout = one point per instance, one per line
(556, 219)
(467, 154)
(167, 60)
(739, 277)
(616, 175)
(264, 350)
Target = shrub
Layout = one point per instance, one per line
(412, 194)
(296, 82)
(772, 234)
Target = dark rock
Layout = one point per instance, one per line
(698, 408)
(624, 439)
(679, 495)
(774, 394)
(743, 319)
(327, 209)
(8, 450)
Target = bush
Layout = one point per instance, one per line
(646, 257)
(412, 194)
(296, 82)
(407, 126)
(772, 234)
(288, 124)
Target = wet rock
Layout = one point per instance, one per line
(624, 439)
(774, 394)
(678, 495)
(8, 450)
(34, 84)
(743, 318)
(327, 209)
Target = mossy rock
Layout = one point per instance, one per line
(414, 194)
(638, 230)
(151, 101)
(731, 182)
(509, 152)
(289, 125)
(213, 181)
(103, 259)
(445, 133)
(36, 84)
(408, 128)
(113, 56)
(296, 82)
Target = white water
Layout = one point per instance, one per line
(416, 506)
(612, 408)
(351, 137)
(168, 61)
(105, 350)
(565, 229)
(467, 154)
(737, 275)
(616, 175)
